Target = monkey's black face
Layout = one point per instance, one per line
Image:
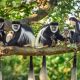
(15, 27)
(1, 24)
(54, 29)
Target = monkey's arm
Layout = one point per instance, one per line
(60, 37)
(12, 42)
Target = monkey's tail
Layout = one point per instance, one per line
(74, 68)
(43, 72)
(1, 69)
(31, 63)
(31, 75)
(44, 61)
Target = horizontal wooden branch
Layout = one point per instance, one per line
(27, 51)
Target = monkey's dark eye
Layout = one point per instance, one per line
(15, 27)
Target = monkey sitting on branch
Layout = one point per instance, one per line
(68, 35)
(48, 35)
(23, 35)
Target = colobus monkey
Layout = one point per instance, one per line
(76, 24)
(48, 35)
(31, 75)
(43, 72)
(23, 35)
(68, 34)
(2, 32)
(76, 39)
(9, 36)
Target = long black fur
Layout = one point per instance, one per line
(47, 34)
(22, 37)
(2, 32)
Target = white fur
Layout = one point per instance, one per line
(79, 25)
(13, 25)
(27, 36)
(31, 75)
(9, 36)
(1, 24)
(52, 30)
(40, 34)
(43, 74)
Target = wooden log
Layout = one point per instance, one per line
(27, 51)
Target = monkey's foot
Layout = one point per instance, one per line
(42, 46)
(28, 45)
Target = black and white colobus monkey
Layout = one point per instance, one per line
(49, 34)
(68, 34)
(23, 35)
(43, 72)
(2, 33)
(46, 36)
(31, 75)
(76, 39)
(76, 24)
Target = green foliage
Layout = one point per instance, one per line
(16, 67)
(58, 67)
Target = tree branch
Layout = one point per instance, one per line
(27, 51)
(43, 12)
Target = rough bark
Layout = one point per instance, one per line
(27, 51)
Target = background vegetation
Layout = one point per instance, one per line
(59, 66)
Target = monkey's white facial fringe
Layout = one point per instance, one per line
(15, 27)
(54, 29)
(26, 37)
